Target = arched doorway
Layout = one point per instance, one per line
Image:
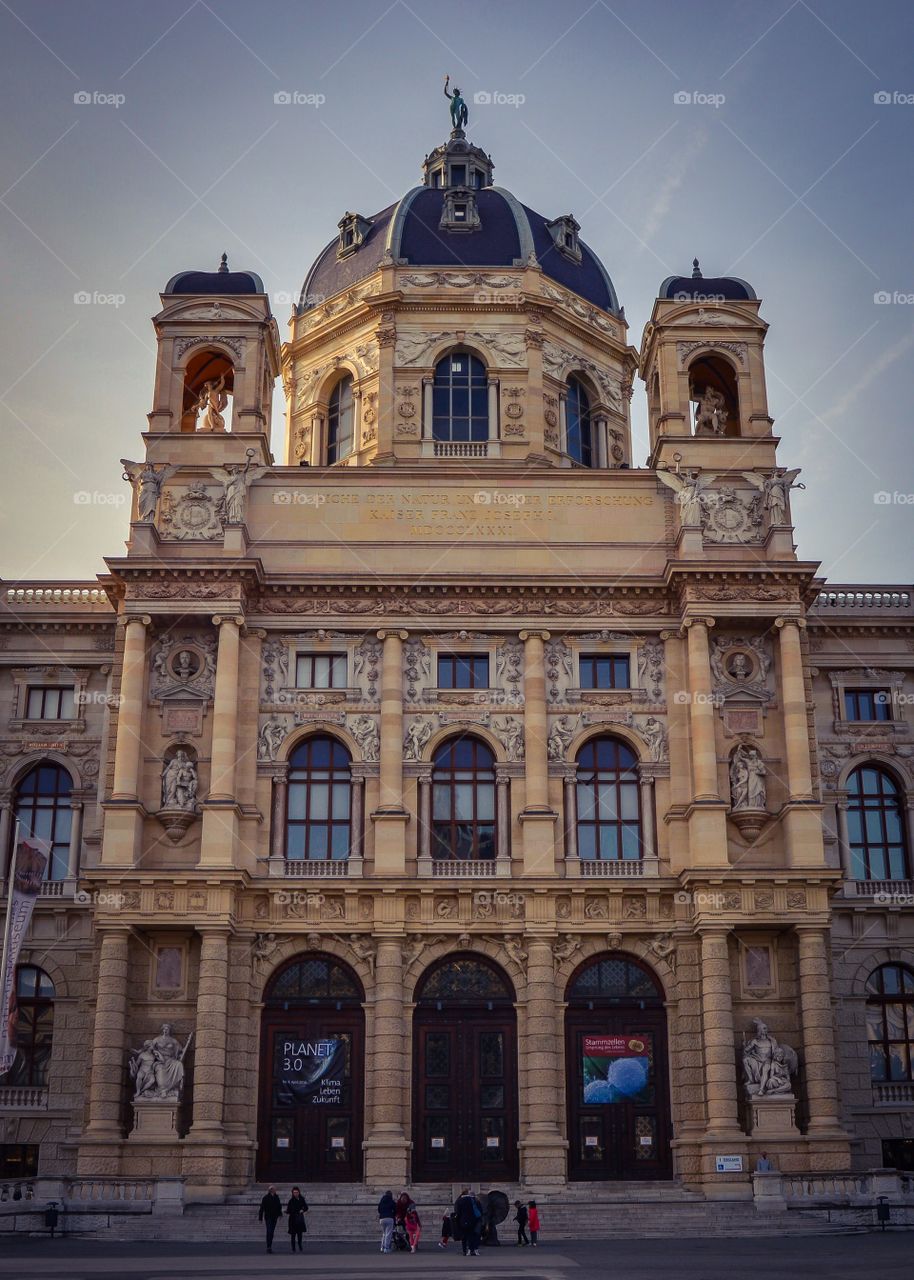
(465, 1074)
(312, 1069)
(616, 1072)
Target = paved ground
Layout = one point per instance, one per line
(881, 1257)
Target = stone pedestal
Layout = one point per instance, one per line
(154, 1118)
(773, 1115)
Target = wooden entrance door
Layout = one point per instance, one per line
(465, 1095)
(618, 1094)
(310, 1142)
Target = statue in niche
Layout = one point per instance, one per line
(711, 413)
(767, 1065)
(213, 399)
(179, 783)
(560, 738)
(147, 479)
(157, 1069)
(748, 789)
(459, 113)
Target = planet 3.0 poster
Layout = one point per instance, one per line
(309, 1071)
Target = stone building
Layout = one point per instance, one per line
(460, 797)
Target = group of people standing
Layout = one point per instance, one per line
(401, 1225)
(271, 1211)
(468, 1222)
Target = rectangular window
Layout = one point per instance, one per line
(321, 671)
(51, 704)
(463, 671)
(18, 1160)
(867, 704)
(605, 671)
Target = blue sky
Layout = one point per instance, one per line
(799, 180)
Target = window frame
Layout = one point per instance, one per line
(41, 1036)
(613, 659)
(586, 457)
(473, 662)
(450, 776)
(62, 815)
(334, 774)
(855, 694)
(881, 999)
(861, 847)
(335, 659)
(43, 691)
(478, 423)
(622, 779)
(341, 445)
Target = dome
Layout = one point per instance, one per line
(698, 288)
(218, 283)
(501, 232)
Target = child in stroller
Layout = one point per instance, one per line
(400, 1238)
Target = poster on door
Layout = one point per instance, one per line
(617, 1068)
(309, 1072)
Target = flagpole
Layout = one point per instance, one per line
(7, 928)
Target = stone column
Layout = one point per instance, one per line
(844, 842)
(719, 1042)
(109, 1045)
(570, 822)
(428, 410)
(648, 822)
(225, 711)
(76, 832)
(818, 1030)
(793, 699)
(278, 820)
(6, 827)
(388, 1072)
(537, 818)
(390, 818)
(128, 746)
(542, 1145)
(503, 820)
(317, 440)
(494, 424)
(701, 711)
(424, 787)
(210, 1046)
(357, 824)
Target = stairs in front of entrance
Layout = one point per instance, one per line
(581, 1211)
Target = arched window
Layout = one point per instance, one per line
(313, 979)
(318, 801)
(33, 1028)
(460, 398)
(613, 979)
(464, 980)
(44, 812)
(609, 809)
(890, 1023)
(875, 826)
(463, 803)
(340, 422)
(578, 426)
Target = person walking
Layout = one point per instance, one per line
(520, 1218)
(296, 1210)
(270, 1213)
(387, 1211)
(533, 1218)
(447, 1230)
(468, 1214)
(413, 1224)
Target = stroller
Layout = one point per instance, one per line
(400, 1239)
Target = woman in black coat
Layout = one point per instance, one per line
(296, 1210)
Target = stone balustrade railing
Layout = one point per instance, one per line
(23, 1098)
(854, 598)
(74, 595)
(777, 1192)
(894, 1091)
(108, 1190)
(887, 892)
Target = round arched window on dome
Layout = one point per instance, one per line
(340, 422)
(578, 425)
(460, 399)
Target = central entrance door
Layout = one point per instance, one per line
(311, 1074)
(465, 1074)
(616, 1069)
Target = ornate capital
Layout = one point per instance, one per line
(535, 635)
(799, 623)
(218, 620)
(142, 618)
(706, 622)
(403, 635)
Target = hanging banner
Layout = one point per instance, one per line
(617, 1068)
(29, 863)
(309, 1071)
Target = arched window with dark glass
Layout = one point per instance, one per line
(578, 426)
(890, 1023)
(463, 800)
(319, 801)
(43, 808)
(608, 798)
(460, 398)
(613, 978)
(875, 826)
(340, 422)
(32, 1028)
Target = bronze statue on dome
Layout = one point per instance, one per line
(459, 113)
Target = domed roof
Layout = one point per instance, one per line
(219, 282)
(698, 288)
(414, 232)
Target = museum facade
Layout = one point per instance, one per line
(460, 798)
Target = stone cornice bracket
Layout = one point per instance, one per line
(533, 635)
(800, 623)
(403, 635)
(125, 619)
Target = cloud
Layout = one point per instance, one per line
(878, 367)
(677, 172)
